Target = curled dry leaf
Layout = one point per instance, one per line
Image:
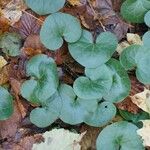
(60, 138)
(142, 100)
(144, 132)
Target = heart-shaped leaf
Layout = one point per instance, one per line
(134, 10)
(95, 85)
(43, 7)
(10, 44)
(120, 88)
(147, 18)
(90, 54)
(57, 27)
(142, 60)
(44, 81)
(127, 57)
(74, 109)
(104, 112)
(6, 104)
(45, 116)
(119, 136)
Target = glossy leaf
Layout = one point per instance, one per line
(43, 7)
(119, 136)
(121, 83)
(104, 112)
(127, 58)
(134, 117)
(96, 83)
(135, 10)
(45, 116)
(6, 104)
(58, 27)
(10, 44)
(142, 61)
(92, 54)
(74, 109)
(44, 81)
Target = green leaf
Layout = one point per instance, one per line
(10, 44)
(142, 61)
(104, 112)
(93, 54)
(120, 88)
(146, 39)
(147, 18)
(134, 117)
(57, 27)
(49, 113)
(44, 81)
(95, 85)
(6, 104)
(135, 10)
(127, 58)
(119, 136)
(43, 7)
(74, 109)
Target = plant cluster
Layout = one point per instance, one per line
(105, 81)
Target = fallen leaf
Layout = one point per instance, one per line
(122, 46)
(142, 100)
(60, 138)
(4, 74)
(12, 12)
(144, 132)
(134, 39)
(74, 2)
(3, 62)
(29, 24)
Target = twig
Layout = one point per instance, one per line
(96, 15)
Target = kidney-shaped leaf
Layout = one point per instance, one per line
(44, 81)
(95, 85)
(10, 44)
(134, 10)
(120, 83)
(119, 136)
(57, 27)
(104, 112)
(147, 18)
(143, 61)
(146, 39)
(127, 57)
(74, 109)
(43, 7)
(90, 54)
(45, 116)
(6, 104)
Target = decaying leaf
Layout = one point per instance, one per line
(60, 138)
(3, 62)
(142, 100)
(4, 75)
(12, 12)
(74, 2)
(144, 132)
(134, 39)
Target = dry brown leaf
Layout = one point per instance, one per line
(3, 62)
(4, 74)
(144, 132)
(142, 100)
(74, 2)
